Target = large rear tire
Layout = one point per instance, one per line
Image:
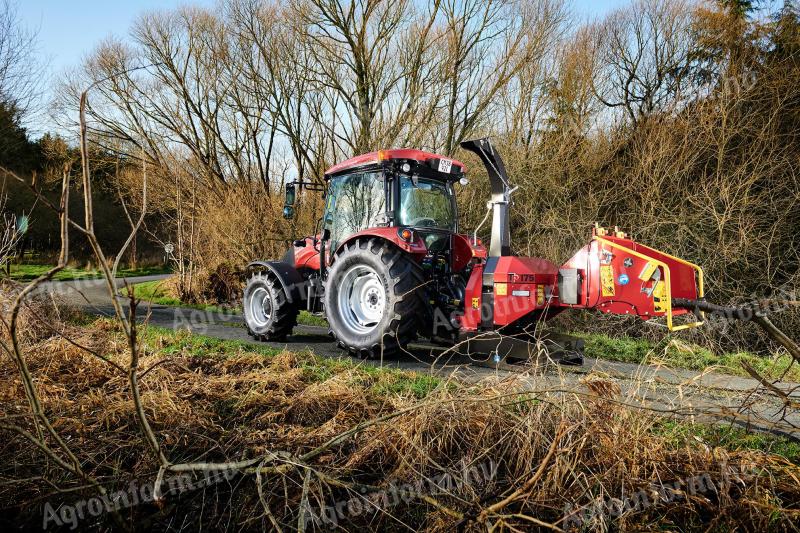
(374, 299)
(268, 314)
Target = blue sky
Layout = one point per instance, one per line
(70, 29)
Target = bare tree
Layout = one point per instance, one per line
(642, 56)
(552, 71)
(10, 232)
(367, 59)
(486, 44)
(20, 70)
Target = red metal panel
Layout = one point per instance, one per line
(624, 292)
(464, 251)
(513, 269)
(306, 256)
(473, 300)
(520, 285)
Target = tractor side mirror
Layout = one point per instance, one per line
(290, 194)
(288, 209)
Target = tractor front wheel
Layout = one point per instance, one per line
(268, 314)
(374, 298)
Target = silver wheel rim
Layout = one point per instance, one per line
(361, 299)
(260, 307)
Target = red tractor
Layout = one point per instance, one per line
(391, 264)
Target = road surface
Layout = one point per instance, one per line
(706, 396)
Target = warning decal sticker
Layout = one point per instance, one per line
(607, 280)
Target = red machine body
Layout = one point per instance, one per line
(509, 289)
(618, 275)
(377, 198)
(612, 274)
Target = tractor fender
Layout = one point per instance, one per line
(287, 275)
(416, 247)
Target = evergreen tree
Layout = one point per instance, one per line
(17, 152)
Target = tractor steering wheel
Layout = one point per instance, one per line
(420, 219)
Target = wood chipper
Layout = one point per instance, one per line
(389, 263)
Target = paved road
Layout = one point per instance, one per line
(699, 395)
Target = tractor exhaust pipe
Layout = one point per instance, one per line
(500, 243)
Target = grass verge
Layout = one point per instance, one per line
(27, 272)
(676, 353)
(380, 380)
(727, 437)
(388, 382)
(159, 292)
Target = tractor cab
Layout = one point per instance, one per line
(390, 220)
(407, 189)
(410, 190)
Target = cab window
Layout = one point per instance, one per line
(354, 202)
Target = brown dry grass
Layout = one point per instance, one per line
(221, 402)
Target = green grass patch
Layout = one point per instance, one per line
(168, 342)
(728, 437)
(419, 385)
(153, 291)
(31, 272)
(679, 354)
(157, 292)
(383, 382)
(379, 380)
(309, 319)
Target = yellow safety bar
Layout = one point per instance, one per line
(667, 284)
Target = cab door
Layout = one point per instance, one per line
(353, 203)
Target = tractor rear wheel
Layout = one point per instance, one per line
(268, 314)
(374, 298)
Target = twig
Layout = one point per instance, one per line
(532, 481)
(766, 383)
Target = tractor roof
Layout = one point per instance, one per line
(385, 155)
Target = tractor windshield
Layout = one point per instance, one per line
(426, 203)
